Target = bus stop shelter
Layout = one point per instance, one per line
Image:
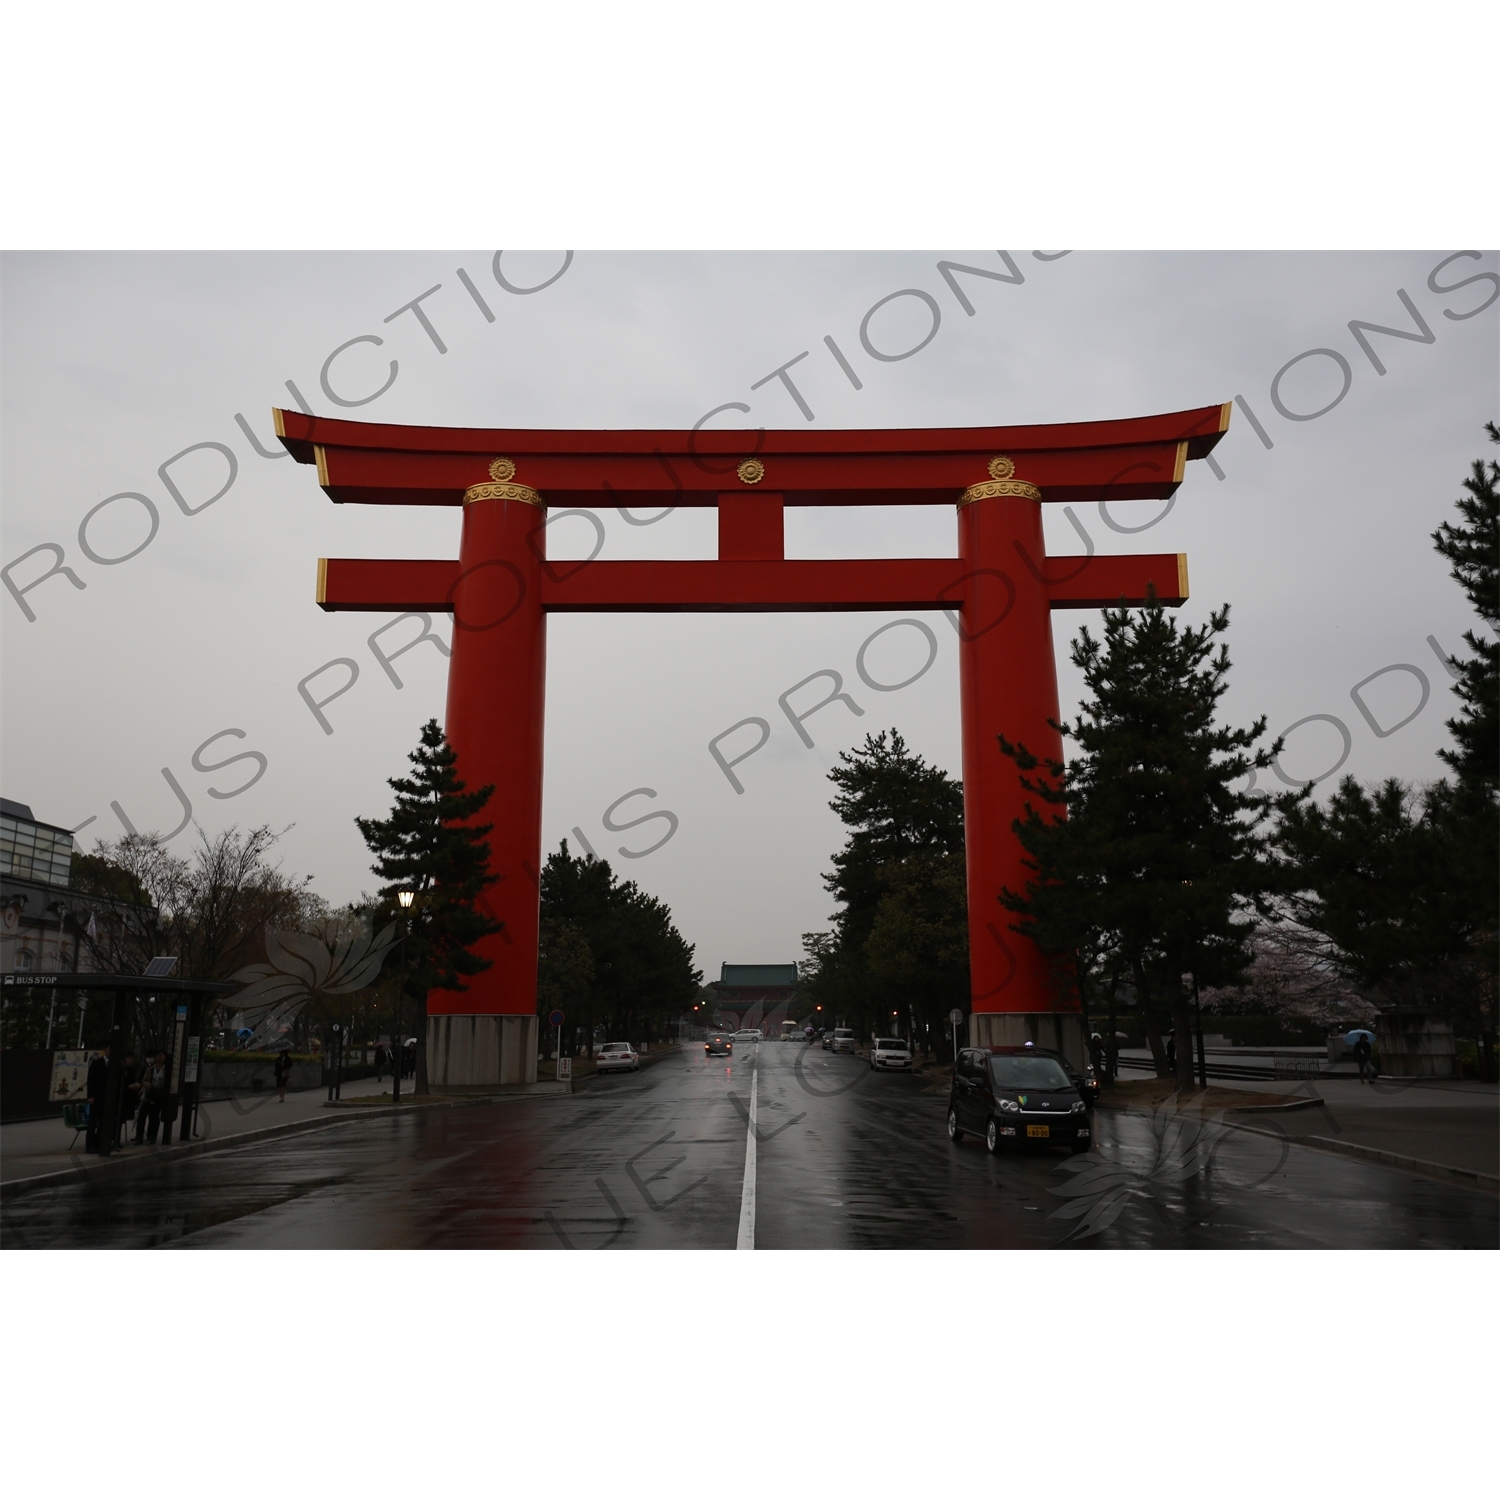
(183, 1044)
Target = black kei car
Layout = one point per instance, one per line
(1085, 1080)
(718, 1045)
(1016, 1096)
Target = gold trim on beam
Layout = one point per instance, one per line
(1225, 412)
(1012, 488)
(1181, 466)
(1182, 578)
(276, 421)
(321, 454)
(503, 492)
(322, 580)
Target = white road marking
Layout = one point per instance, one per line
(747, 1193)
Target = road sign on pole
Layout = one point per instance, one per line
(956, 1016)
(556, 1019)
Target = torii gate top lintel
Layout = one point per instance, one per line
(1139, 458)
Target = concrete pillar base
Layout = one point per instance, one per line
(471, 1054)
(1062, 1031)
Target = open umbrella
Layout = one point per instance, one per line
(1352, 1038)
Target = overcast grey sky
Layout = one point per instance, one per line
(113, 363)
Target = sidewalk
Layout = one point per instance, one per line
(1447, 1122)
(32, 1147)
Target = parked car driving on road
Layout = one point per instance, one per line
(616, 1057)
(843, 1040)
(889, 1052)
(718, 1045)
(1012, 1096)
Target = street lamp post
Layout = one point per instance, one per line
(398, 1049)
(1198, 1029)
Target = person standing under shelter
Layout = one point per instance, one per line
(95, 1084)
(130, 1093)
(283, 1072)
(153, 1093)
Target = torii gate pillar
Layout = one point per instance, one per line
(497, 685)
(1007, 686)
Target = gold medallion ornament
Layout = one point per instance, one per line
(752, 471)
(502, 469)
(1001, 467)
(522, 492)
(1013, 488)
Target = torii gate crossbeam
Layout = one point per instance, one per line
(502, 586)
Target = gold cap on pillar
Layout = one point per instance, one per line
(502, 470)
(1016, 488)
(1001, 467)
(503, 492)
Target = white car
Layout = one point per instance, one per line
(615, 1057)
(889, 1052)
(843, 1040)
(749, 1034)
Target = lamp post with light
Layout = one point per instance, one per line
(405, 898)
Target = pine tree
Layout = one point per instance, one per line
(1376, 875)
(429, 846)
(1147, 863)
(614, 949)
(1473, 549)
(899, 940)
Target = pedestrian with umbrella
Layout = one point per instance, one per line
(1362, 1044)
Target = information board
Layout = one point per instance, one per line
(70, 1074)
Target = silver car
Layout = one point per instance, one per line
(843, 1040)
(617, 1057)
(890, 1052)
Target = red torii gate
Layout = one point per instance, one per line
(502, 587)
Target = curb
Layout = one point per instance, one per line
(18, 1185)
(1274, 1109)
(1239, 1109)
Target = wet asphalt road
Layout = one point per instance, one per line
(845, 1159)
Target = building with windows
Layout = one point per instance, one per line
(42, 924)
